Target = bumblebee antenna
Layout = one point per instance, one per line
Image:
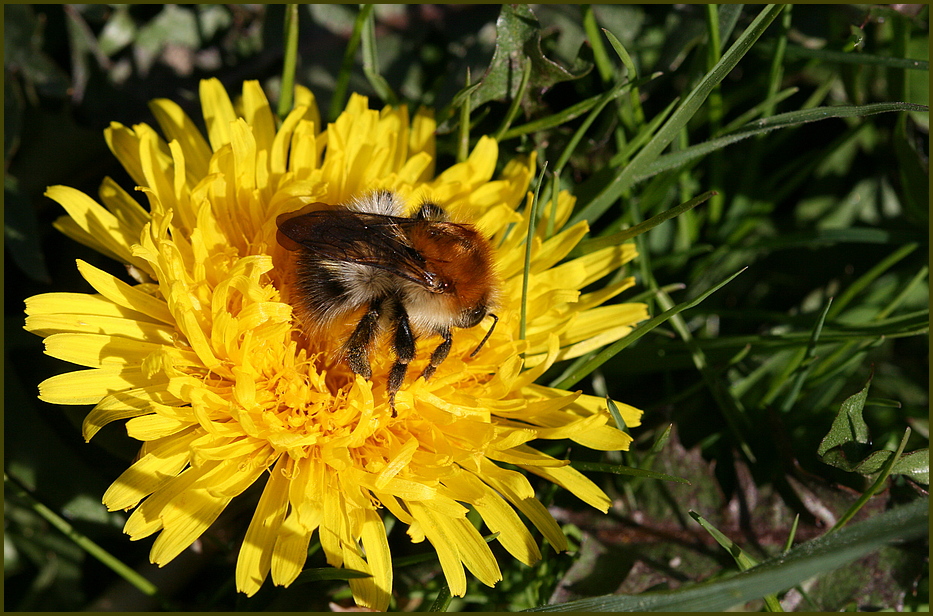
(486, 337)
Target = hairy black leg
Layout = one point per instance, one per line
(439, 355)
(357, 347)
(404, 353)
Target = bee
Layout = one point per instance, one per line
(409, 276)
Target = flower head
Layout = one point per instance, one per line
(205, 359)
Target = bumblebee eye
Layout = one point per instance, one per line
(471, 318)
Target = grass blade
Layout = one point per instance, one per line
(596, 207)
(607, 353)
(783, 120)
(371, 62)
(623, 236)
(287, 93)
(620, 469)
(775, 575)
(830, 55)
(127, 573)
(346, 66)
(529, 243)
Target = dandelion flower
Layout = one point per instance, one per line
(203, 358)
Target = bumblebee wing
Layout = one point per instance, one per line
(358, 237)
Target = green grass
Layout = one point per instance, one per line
(784, 375)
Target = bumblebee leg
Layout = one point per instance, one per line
(357, 347)
(439, 355)
(404, 353)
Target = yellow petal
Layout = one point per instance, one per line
(97, 222)
(177, 126)
(258, 115)
(48, 324)
(595, 265)
(421, 141)
(150, 472)
(127, 210)
(558, 247)
(185, 519)
(124, 405)
(447, 549)
(574, 481)
(399, 461)
(90, 386)
(472, 550)
(604, 319)
(526, 456)
(291, 550)
(123, 294)
(218, 112)
(604, 438)
(152, 427)
(124, 144)
(69, 227)
(376, 591)
(255, 558)
(597, 298)
(402, 488)
(282, 140)
(93, 350)
(305, 98)
(231, 477)
(499, 517)
(53, 304)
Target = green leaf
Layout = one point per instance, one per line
(616, 414)
(174, 25)
(915, 465)
(849, 430)
(23, 54)
(518, 35)
(624, 56)
(532, 222)
(846, 445)
(813, 558)
(118, 32)
(859, 235)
